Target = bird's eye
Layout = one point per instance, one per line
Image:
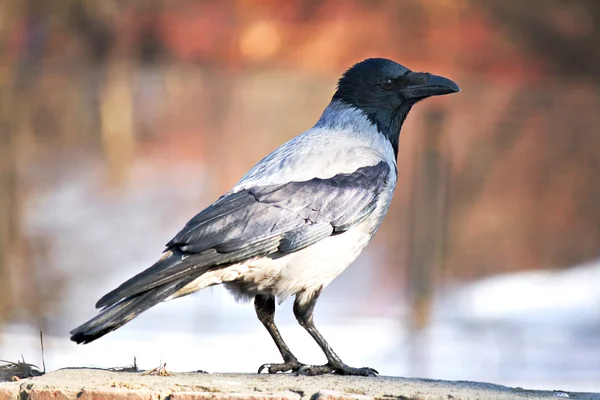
(388, 84)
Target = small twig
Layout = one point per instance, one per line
(19, 363)
(129, 368)
(42, 343)
(20, 369)
(161, 370)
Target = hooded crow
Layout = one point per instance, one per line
(296, 220)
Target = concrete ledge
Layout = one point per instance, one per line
(96, 384)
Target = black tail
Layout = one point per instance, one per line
(119, 314)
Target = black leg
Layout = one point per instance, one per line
(265, 311)
(304, 306)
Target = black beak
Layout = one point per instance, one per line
(435, 86)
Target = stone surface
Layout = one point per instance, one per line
(337, 395)
(48, 393)
(9, 391)
(96, 384)
(234, 396)
(117, 394)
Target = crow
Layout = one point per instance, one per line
(296, 220)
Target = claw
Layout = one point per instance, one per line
(346, 370)
(342, 369)
(260, 369)
(292, 365)
(303, 370)
(312, 370)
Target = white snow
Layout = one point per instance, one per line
(564, 297)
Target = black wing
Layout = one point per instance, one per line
(260, 221)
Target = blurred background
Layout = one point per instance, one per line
(119, 120)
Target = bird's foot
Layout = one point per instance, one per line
(290, 365)
(340, 369)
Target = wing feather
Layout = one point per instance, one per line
(263, 220)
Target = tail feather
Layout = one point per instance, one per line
(160, 274)
(119, 314)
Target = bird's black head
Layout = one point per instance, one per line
(385, 91)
